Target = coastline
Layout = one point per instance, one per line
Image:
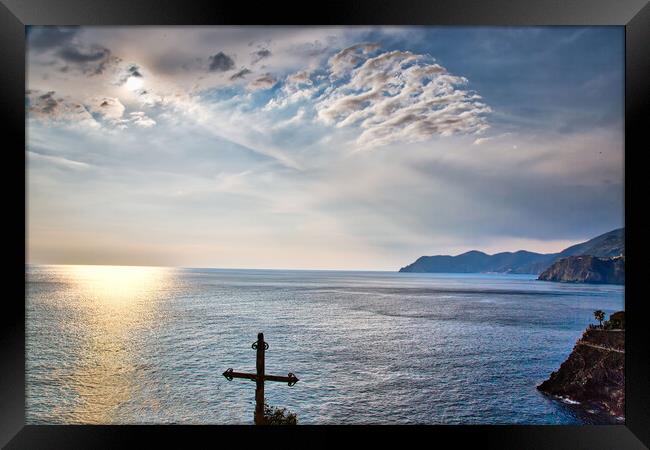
(593, 375)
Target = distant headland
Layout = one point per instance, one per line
(599, 261)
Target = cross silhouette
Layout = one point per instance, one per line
(260, 377)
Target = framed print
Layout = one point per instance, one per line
(405, 217)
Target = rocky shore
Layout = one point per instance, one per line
(586, 269)
(594, 373)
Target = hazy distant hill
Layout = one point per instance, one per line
(606, 245)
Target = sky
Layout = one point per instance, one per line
(319, 147)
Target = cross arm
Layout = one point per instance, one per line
(230, 374)
(291, 379)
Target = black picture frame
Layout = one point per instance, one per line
(634, 15)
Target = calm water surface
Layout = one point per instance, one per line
(109, 344)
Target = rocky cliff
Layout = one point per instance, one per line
(586, 269)
(593, 374)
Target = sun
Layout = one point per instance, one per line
(133, 83)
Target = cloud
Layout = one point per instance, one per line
(46, 103)
(43, 38)
(140, 119)
(311, 49)
(90, 60)
(259, 55)
(539, 192)
(479, 141)
(76, 55)
(349, 57)
(300, 77)
(398, 96)
(131, 70)
(296, 87)
(62, 46)
(134, 71)
(109, 108)
(153, 99)
(291, 121)
(240, 74)
(265, 81)
(50, 108)
(387, 97)
(58, 161)
(221, 62)
(381, 96)
(94, 112)
(483, 140)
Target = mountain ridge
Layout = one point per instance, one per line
(606, 245)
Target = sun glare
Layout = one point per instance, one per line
(134, 83)
(117, 285)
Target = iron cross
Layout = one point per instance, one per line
(260, 377)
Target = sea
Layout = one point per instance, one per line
(144, 345)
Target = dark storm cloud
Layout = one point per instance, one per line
(76, 55)
(47, 102)
(241, 74)
(91, 60)
(63, 48)
(99, 68)
(134, 71)
(43, 38)
(221, 62)
(260, 55)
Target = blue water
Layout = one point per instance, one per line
(149, 345)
